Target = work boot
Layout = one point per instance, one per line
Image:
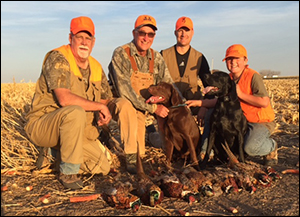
(272, 158)
(70, 181)
(131, 163)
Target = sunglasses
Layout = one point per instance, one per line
(143, 34)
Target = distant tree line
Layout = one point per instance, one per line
(269, 73)
(263, 73)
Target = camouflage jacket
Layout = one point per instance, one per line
(120, 71)
(59, 76)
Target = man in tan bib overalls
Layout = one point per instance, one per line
(133, 68)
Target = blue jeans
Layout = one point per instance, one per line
(65, 168)
(68, 168)
(257, 139)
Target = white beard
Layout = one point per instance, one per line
(83, 53)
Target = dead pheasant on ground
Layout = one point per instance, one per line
(117, 194)
(146, 189)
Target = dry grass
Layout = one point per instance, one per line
(18, 153)
(16, 150)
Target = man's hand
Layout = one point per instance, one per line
(104, 116)
(193, 103)
(162, 111)
(200, 116)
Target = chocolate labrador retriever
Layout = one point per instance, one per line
(180, 128)
(228, 125)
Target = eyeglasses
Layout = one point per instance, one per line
(143, 34)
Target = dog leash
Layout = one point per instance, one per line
(179, 105)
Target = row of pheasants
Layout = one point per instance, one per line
(188, 184)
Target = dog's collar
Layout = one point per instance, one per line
(179, 105)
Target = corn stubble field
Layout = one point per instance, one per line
(18, 156)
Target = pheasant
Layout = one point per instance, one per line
(118, 195)
(273, 174)
(180, 187)
(196, 177)
(149, 192)
(250, 169)
(171, 186)
(230, 184)
(248, 184)
(190, 191)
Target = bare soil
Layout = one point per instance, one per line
(280, 199)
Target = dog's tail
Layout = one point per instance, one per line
(232, 158)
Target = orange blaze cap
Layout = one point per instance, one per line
(184, 22)
(144, 20)
(82, 24)
(236, 50)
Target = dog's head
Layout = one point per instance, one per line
(167, 92)
(221, 81)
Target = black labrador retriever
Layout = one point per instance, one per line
(228, 125)
(180, 128)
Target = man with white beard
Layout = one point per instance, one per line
(70, 103)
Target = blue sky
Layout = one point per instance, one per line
(268, 30)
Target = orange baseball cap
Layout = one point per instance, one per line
(144, 20)
(184, 22)
(82, 24)
(236, 50)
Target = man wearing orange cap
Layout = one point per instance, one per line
(69, 105)
(133, 68)
(255, 104)
(186, 65)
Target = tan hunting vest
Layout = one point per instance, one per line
(188, 83)
(44, 102)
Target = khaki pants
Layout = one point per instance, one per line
(64, 129)
(131, 123)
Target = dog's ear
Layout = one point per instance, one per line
(228, 86)
(232, 90)
(175, 98)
